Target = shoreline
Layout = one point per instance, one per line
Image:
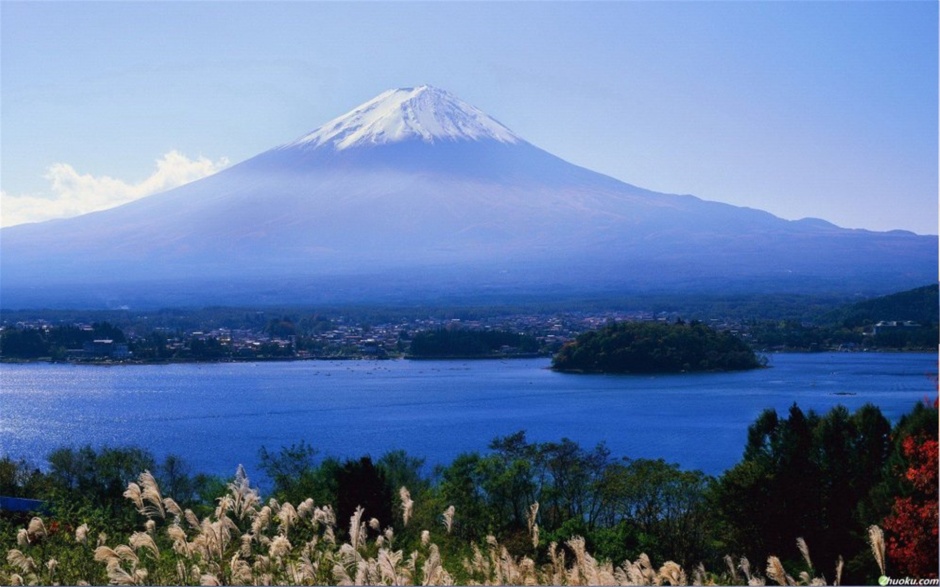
(132, 362)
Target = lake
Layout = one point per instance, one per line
(217, 416)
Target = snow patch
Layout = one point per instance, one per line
(425, 113)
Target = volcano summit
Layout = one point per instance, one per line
(417, 193)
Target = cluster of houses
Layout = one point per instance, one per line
(103, 348)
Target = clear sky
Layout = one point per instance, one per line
(803, 109)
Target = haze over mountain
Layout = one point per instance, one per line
(418, 193)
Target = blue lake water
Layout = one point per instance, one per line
(216, 416)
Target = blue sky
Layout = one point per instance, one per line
(821, 109)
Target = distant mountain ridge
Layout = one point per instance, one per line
(417, 193)
(920, 305)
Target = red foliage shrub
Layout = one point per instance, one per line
(912, 544)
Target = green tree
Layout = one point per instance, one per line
(359, 483)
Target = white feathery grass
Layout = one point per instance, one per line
(307, 574)
(192, 520)
(329, 537)
(244, 498)
(877, 540)
(634, 574)
(745, 566)
(558, 563)
(140, 540)
(280, 547)
(261, 520)
(646, 569)
(357, 529)
(533, 513)
(839, 564)
(22, 537)
(432, 569)
(81, 534)
(118, 576)
(171, 506)
(150, 493)
(672, 573)
(449, 518)
(388, 566)
(134, 494)
(287, 516)
(244, 548)
(240, 571)
(176, 533)
(729, 562)
(126, 553)
(226, 505)
(319, 517)
(36, 530)
(341, 576)
(105, 554)
(362, 573)
(407, 505)
(305, 509)
(804, 550)
(19, 560)
(775, 570)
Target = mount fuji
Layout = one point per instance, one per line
(417, 193)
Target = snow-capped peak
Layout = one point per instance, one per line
(425, 112)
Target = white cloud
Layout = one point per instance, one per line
(73, 193)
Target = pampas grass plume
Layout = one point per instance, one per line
(36, 529)
(20, 560)
(449, 518)
(140, 540)
(804, 550)
(81, 534)
(877, 540)
(775, 570)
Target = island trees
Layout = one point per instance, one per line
(655, 347)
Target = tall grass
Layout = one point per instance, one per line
(247, 542)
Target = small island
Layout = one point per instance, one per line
(655, 347)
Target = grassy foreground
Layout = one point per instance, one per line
(248, 542)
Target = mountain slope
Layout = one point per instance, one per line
(418, 189)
